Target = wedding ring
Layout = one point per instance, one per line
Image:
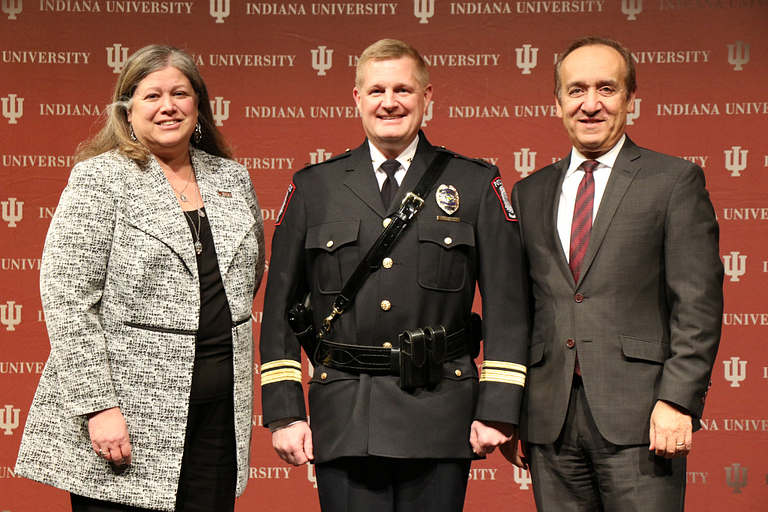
(679, 444)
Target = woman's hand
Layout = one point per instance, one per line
(109, 436)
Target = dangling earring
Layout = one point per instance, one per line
(133, 135)
(198, 132)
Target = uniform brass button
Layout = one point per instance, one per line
(448, 240)
(387, 344)
(458, 373)
(323, 375)
(570, 343)
(387, 221)
(385, 305)
(329, 244)
(387, 263)
(578, 297)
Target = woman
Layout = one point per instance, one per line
(148, 276)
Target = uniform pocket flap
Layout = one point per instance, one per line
(332, 235)
(325, 375)
(648, 350)
(447, 234)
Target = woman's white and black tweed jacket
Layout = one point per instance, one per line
(121, 296)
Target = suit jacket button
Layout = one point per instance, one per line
(385, 305)
(570, 343)
(323, 375)
(458, 373)
(387, 263)
(578, 297)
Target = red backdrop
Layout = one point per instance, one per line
(281, 75)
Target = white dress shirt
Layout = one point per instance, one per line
(404, 158)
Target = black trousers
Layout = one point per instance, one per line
(583, 472)
(209, 466)
(364, 484)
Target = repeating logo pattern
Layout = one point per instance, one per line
(13, 108)
(10, 315)
(12, 211)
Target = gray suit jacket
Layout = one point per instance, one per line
(647, 310)
(121, 296)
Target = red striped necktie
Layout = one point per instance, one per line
(581, 227)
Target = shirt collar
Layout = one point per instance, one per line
(607, 160)
(404, 158)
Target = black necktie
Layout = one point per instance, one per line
(390, 186)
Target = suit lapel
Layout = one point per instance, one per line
(425, 153)
(624, 171)
(551, 206)
(362, 180)
(228, 214)
(153, 208)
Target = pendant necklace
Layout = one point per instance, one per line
(183, 198)
(200, 213)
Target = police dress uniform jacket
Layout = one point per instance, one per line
(646, 313)
(332, 215)
(121, 296)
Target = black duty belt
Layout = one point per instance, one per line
(417, 358)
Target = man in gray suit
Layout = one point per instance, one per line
(622, 248)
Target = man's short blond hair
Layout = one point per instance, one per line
(388, 49)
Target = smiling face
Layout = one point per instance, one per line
(164, 112)
(392, 104)
(593, 101)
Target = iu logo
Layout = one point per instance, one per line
(522, 477)
(9, 419)
(318, 156)
(427, 115)
(12, 211)
(631, 7)
(735, 371)
(736, 477)
(12, 8)
(735, 265)
(526, 58)
(220, 108)
(423, 9)
(116, 57)
(10, 315)
(525, 162)
(219, 10)
(736, 160)
(322, 60)
(311, 474)
(738, 55)
(13, 108)
(631, 116)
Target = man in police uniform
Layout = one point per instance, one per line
(376, 445)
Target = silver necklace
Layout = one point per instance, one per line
(181, 194)
(200, 213)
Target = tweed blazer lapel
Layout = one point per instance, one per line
(228, 213)
(624, 171)
(152, 207)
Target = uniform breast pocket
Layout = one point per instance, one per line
(444, 254)
(334, 252)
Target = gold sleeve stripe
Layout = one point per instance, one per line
(503, 365)
(503, 377)
(280, 375)
(280, 362)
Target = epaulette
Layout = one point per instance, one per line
(345, 154)
(476, 160)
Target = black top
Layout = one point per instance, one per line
(212, 378)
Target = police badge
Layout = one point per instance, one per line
(447, 198)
